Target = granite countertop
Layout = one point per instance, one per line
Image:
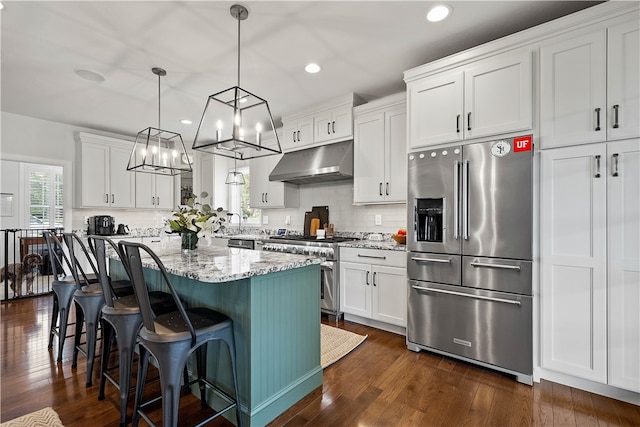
(375, 244)
(215, 264)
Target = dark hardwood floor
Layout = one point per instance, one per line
(380, 383)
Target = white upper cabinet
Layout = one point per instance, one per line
(573, 91)
(102, 179)
(154, 191)
(623, 80)
(297, 133)
(380, 164)
(269, 194)
(325, 123)
(488, 97)
(333, 125)
(590, 87)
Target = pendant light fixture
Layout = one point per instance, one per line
(159, 151)
(234, 177)
(236, 123)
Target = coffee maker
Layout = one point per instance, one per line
(101, 225)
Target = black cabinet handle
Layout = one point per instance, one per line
(367, 279)
(387, 189)
(374, 278)
(615, 116)
(458, 123)
(597, 119)
(328, 128)
(380, 189)
(469, 121)
(597, 175)
(106, 198)
(298, 136)
(293, 136)
(266, 197)
(615, 165)
(333, 126)
(113, 198)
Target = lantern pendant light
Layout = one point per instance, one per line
(159, 151)
(234, 177)
(235, 122)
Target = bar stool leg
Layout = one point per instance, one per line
(107, 341)
(54, 319)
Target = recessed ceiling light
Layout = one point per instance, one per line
(1, 6)
(186, 122)
(312, 68)
(89, 75)
(438, 13)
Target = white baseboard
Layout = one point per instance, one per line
(376, 324)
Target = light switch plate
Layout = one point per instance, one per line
(287, 220)
(265, 219)
(378, 219)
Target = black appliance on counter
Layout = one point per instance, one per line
(101, 225)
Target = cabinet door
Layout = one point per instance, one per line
(274, 193)
(573, 91)
(164, 191)
(259, 170)
(145, 196)
(623, 81)
(435, 110)
(289, 139)
(342, 122)
(573, 261)
(322, 126)
(95, 175)
(355, 289)
(497, 96)
(395, 133)
(624, 264)
(389, 303)
(297, 134)
(122, 181)
(368, 158)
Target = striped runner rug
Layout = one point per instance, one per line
(46, 417)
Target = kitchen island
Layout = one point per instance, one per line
(274, 302)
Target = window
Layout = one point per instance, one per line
(44, 190)
(240, 201)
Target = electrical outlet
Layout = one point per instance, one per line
(86, 220)
(287, 220)
(265, 220)
(378, 219)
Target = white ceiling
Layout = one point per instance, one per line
(362, 46)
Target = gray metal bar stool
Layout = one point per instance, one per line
(170, 338)
(120, 317)
(89, 300)
(63, 287)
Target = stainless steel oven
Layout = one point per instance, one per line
(326, 250)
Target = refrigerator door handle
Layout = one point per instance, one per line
(503, 266)
(444, 261)
(456, 198)
(460, 294)
(465, 199)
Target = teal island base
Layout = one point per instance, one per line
(276, 319)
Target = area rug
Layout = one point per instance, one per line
(46, 417)
(336, 343)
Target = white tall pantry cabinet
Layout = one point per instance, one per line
(590, 214)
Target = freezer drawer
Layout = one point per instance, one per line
(434, 267)
(490, 327)
(497, 274)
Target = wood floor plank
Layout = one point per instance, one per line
(380, 383)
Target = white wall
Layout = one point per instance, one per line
(338, 196)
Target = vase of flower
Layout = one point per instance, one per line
(189, 240)
(195, 220)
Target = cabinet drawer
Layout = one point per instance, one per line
(373, 256)
(436, 268)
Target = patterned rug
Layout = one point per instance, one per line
(46, 417)
(336, 343)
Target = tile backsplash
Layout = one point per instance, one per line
(338, 196)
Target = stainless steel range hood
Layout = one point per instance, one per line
(331, 162)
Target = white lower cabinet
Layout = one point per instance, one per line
(373, 284)
(590, 262)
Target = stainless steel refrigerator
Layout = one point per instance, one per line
(469, 261)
